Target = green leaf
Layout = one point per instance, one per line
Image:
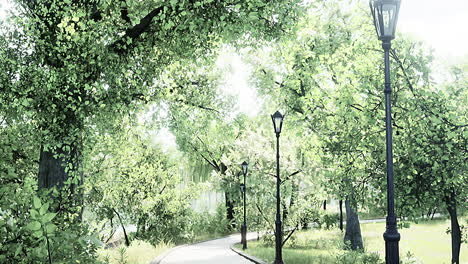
(50, 228)
(38, 233)
(48, 217)
(34, 226)
(34, 213)
(18, 249)
(37, 202)
(44, 208)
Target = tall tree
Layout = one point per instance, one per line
(75, 60)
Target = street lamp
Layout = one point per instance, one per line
(245, 166)
(385, 14)
(277, 119)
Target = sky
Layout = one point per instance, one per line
(441, 24)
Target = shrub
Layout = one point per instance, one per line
(358, 257)
(206, 224)
(330, 220)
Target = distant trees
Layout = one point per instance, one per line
(130, 180)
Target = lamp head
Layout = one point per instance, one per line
(385, 14)
(277, 119)
(245, 166)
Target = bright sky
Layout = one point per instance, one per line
(236, 76)
(3, 6)
(441, 24)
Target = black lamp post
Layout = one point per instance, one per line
(245, 166)
(277, 119)
(385, 14)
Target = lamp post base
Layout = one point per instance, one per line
(244, 236)
(391, 237)
(278, 243)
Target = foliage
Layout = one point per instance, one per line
(70, 69)
(76, 75)
(330, 220)
(31, 231)
(132, 181)
(206, 225)
(349, 257)
(328, 79)
(40, 239)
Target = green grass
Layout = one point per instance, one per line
(308, 247)
(427, 242)
(138, 252)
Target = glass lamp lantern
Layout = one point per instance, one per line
(385, 14)
(245, 166)
(277, 119)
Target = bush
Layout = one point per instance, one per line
(39, 235)
(311, 216)
(268, 240)
(358, 257)
(207, 225)
(330, 220)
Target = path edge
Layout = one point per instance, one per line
(247, 256)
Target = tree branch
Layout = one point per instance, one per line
(134, 32)
(289, 235)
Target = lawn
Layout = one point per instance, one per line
(427, 242)
(138, 252)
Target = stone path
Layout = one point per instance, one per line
(211, 252)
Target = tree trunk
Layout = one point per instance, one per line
(229, 203)
(54, 171)
(285, 211)
(51, 170)
(141, 226)
(341, 215)
(352, 237)
(294, 193)
(324, 204)
(450, 201)
(229, 211)
(433, 213)
(292, 201)
(127, 241)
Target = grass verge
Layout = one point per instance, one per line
(139, 252)
(427, 243)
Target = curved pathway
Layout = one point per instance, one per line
(211, 252)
